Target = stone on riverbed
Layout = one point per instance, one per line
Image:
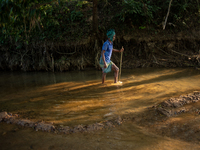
(3, 115)
(26, 123)
(96, 126)
(166, 112)
(109, 124)
(79, 128)
(65, 129)
(11, 120)
(118, 120)
(174, 106)
(182, 100)
(45, 127)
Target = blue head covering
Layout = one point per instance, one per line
(110, 34)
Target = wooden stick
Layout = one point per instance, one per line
(120, 70)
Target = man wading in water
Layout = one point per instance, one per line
(105, 63)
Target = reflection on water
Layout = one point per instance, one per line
(73, 98)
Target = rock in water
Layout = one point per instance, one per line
(45, 127)
(3, 115)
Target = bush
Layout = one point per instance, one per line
(141, 12)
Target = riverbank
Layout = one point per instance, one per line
(69, 35)
(143, 49)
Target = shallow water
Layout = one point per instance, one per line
(125, 137)
(73, 98)
(80, 98)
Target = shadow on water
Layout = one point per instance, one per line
(80, 98)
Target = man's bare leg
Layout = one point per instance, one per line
(116, 72)
(103, 77)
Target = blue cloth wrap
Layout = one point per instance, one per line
(109, 66)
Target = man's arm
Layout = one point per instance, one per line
(103, 57)
(115, 50)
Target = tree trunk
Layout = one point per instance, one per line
(164, 25)
(95, 18)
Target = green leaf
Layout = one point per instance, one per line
(11, 11)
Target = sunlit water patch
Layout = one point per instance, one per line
(72, 98)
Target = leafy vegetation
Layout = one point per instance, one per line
(22, 20)
(23, 23)
(141, 12)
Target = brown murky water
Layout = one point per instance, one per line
(80, 98)
(125, 137)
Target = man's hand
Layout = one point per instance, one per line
(105, 66)
(121, 50)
